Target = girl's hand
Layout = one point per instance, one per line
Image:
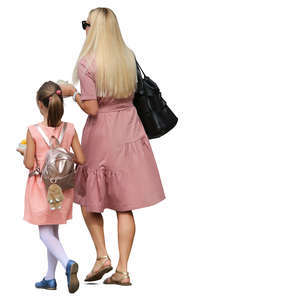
(68, 90)
(21, 151)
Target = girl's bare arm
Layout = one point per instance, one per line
(29, 154)
(79, 156)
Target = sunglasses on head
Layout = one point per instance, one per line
(85, 24)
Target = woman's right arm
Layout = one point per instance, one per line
(89, 106)
(87, 100)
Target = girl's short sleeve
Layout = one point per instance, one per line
(87, 82)
(32, 131)
(70, 133)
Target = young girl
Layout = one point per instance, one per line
(37, 208)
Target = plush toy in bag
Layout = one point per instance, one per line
(55, 196)
(58, 170)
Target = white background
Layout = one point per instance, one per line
(229, 228)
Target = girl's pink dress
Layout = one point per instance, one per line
(120, 172)
(37, 208)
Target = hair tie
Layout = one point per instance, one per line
(58, 92)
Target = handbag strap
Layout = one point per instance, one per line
(139, 67)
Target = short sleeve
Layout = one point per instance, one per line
(69, 134)
(32, 131)
(87, 83)
(71, 129)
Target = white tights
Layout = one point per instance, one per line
(55, 250)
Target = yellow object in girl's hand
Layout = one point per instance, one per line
(22, 145)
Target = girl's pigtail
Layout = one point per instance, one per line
(50, 94)
(55, 109)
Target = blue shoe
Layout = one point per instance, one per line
(46, 284)
(71, 272)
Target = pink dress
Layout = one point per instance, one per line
(37, 209)
(120, 172)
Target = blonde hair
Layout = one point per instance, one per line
(115, 62)
(53, 100)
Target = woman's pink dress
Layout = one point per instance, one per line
(37, 209)
(120, 172)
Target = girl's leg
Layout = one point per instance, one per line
(49, 236)
(55, 230)
(52, 261)
(51, 241)
(126, 231)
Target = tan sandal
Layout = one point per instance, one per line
(94, 276)
(125, 275)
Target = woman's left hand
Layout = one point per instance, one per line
(68, 90)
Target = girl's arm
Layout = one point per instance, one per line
(79, 156)
(29, 154)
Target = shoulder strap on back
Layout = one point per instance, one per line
(62, 133)
(45, 138)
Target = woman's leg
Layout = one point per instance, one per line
(49, 236)
(126, 231)
(94, 223)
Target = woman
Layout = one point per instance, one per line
(120, 172)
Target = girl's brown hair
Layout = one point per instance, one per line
(50, 94)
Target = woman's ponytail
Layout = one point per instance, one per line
(50, 94)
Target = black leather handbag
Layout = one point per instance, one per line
(157, 118)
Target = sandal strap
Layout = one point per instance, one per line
(125, 274)
(101, 257)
